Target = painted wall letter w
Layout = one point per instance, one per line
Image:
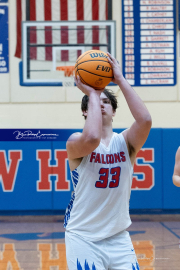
(9, 171)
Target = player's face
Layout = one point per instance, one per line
(106, 107)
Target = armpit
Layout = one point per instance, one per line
(131, 149)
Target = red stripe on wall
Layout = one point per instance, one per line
(95, 10)
(64, 10)
(48, 29)
(80, 10)
(80, 17)
(18, 28)
(95, 16)
(64, 31)
(33, 33)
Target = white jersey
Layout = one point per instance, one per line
(99, 207)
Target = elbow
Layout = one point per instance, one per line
(176, 180)
(147, 120)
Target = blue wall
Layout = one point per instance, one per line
(31, 160)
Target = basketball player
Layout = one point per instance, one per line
(101, 164)
(176, 174)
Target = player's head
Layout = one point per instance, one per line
(109, 94)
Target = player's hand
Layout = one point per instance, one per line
(87, 90)
(116, 69)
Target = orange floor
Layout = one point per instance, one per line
(40, 245)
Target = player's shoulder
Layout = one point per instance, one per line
(124, 134)
(120, 137)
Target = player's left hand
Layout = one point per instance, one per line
(116, 69)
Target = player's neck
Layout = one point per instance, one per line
(107, 132)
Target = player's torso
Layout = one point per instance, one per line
(102, 184)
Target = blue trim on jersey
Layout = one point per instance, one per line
(93, 267)
(137, 265)
(79, 267)
(75, 177)
(86, 266)
(75, 173)
(75, 181)
(135, 268)
(68, 210)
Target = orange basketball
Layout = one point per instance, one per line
(94, 69)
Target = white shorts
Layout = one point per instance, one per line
(113, 253)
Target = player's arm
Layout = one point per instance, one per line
(82, 144)
(137, 134)
(176, 174)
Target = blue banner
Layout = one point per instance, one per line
(4, 40)
(3, 1)
(35, 173)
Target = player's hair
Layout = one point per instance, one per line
(109, 94)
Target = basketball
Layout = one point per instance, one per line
(94, 69)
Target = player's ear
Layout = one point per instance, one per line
(84, 113)
(114, 113)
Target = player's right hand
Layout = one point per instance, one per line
(116, 69)
(86, 89)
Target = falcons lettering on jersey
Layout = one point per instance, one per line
(107, 159)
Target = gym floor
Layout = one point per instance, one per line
(37, 242)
